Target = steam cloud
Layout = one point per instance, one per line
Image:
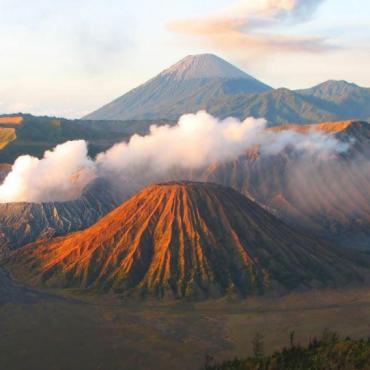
(196, 141)
(60, 175)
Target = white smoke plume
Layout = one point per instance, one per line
(318, 145)
(60, 175)
(196, 141)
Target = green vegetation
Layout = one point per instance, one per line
(324, 353)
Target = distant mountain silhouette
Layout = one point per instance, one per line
(210, 83)
(346, 100)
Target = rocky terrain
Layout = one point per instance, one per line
(23, 223)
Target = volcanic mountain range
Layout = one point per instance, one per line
(207, 82)
(194, 240)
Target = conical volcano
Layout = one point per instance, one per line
(185, 240)
(188, 86)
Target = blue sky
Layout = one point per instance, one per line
(69, 57)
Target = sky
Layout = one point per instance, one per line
(68, 58)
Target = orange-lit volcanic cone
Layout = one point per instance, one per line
(185, 240)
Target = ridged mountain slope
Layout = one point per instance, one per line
(277, 107)
(332, 101)
(185, 240)
(347, 100)
(23, 223)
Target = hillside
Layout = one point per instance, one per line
(23, 223)
(186, 240)
(27, 134)
(7, 135)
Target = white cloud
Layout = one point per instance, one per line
(248, 27)
(60, 175)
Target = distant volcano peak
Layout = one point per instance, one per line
(188, 86)
(205, 66)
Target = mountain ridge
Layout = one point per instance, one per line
(331, 88)
(207, 82)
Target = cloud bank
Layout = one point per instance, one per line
(196, 141)
(247, 27)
